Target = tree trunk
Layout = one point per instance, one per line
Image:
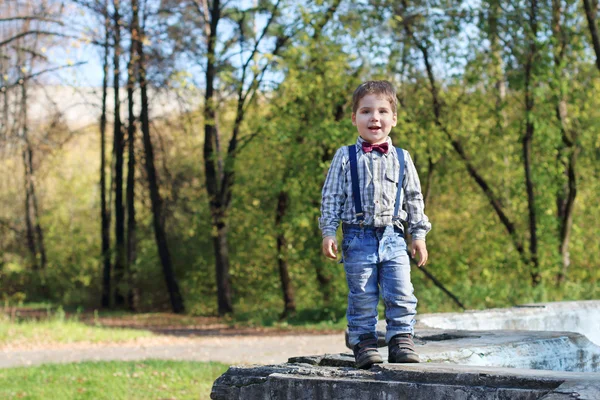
(217, 208)
(35, 236)
(590, 13)
(105, 219)
(131, 129)
(222, 268)
(28, 213)
(565, 198)
(497, 63)
(527, 141)
(36, 213)
(120, 260)
(5, 108)
(160, 235)
(289, 303)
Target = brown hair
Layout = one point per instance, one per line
(383, 88)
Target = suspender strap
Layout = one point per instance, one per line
(400, 153)
(355, 185)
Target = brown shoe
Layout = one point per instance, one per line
(402, 349)
(365, 352)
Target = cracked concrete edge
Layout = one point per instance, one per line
(272, 382)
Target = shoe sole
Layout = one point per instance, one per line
(409, 358)
(367, 363)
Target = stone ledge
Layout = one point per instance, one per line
(558, 351)
(457, 364)
(402, 381)
(573, 316)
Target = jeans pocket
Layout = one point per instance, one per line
(348, 244)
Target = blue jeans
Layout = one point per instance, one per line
(374, 259)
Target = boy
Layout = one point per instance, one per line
(373, 247)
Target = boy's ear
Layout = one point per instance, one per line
(395, 119)
(354, 119)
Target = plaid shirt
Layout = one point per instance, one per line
(378, 180)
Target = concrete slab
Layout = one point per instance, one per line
(554, 363)
(402, 381)
(557, 351)
(566, 316)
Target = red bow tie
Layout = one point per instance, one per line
(368, 147)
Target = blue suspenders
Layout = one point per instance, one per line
(400, 153)
(356, 187)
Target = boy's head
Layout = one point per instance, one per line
(374, 110)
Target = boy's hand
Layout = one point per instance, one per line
(330, 247)
(419, 246)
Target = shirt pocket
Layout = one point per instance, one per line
(390, 186)
(391, 174)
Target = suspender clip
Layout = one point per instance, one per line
(361, 219)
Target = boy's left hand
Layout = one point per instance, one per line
(419, 246)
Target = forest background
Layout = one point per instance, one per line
(211, 208)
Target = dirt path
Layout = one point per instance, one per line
(242, 349)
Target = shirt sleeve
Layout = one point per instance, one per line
(333, 196)
(418, 223)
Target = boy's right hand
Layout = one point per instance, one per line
(330, 247)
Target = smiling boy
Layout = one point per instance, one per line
(366, 186)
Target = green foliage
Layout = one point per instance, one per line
(289, 136)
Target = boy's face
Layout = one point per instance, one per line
(374, 118)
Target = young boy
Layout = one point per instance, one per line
(373, 247)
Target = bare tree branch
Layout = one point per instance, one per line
(46, 33)
(20, 80)
(32, 18)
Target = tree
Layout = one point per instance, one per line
(118, 151)
(590, 14)
(177, 304)
(257, 50)
(104, 211)
(27, 26)
(568, 149)
(131, 166)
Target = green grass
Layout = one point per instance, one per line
(151, 379)
(55, 327)
(60, 330)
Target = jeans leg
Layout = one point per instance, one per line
(396, 287)
(363, 297)
(363, 291)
